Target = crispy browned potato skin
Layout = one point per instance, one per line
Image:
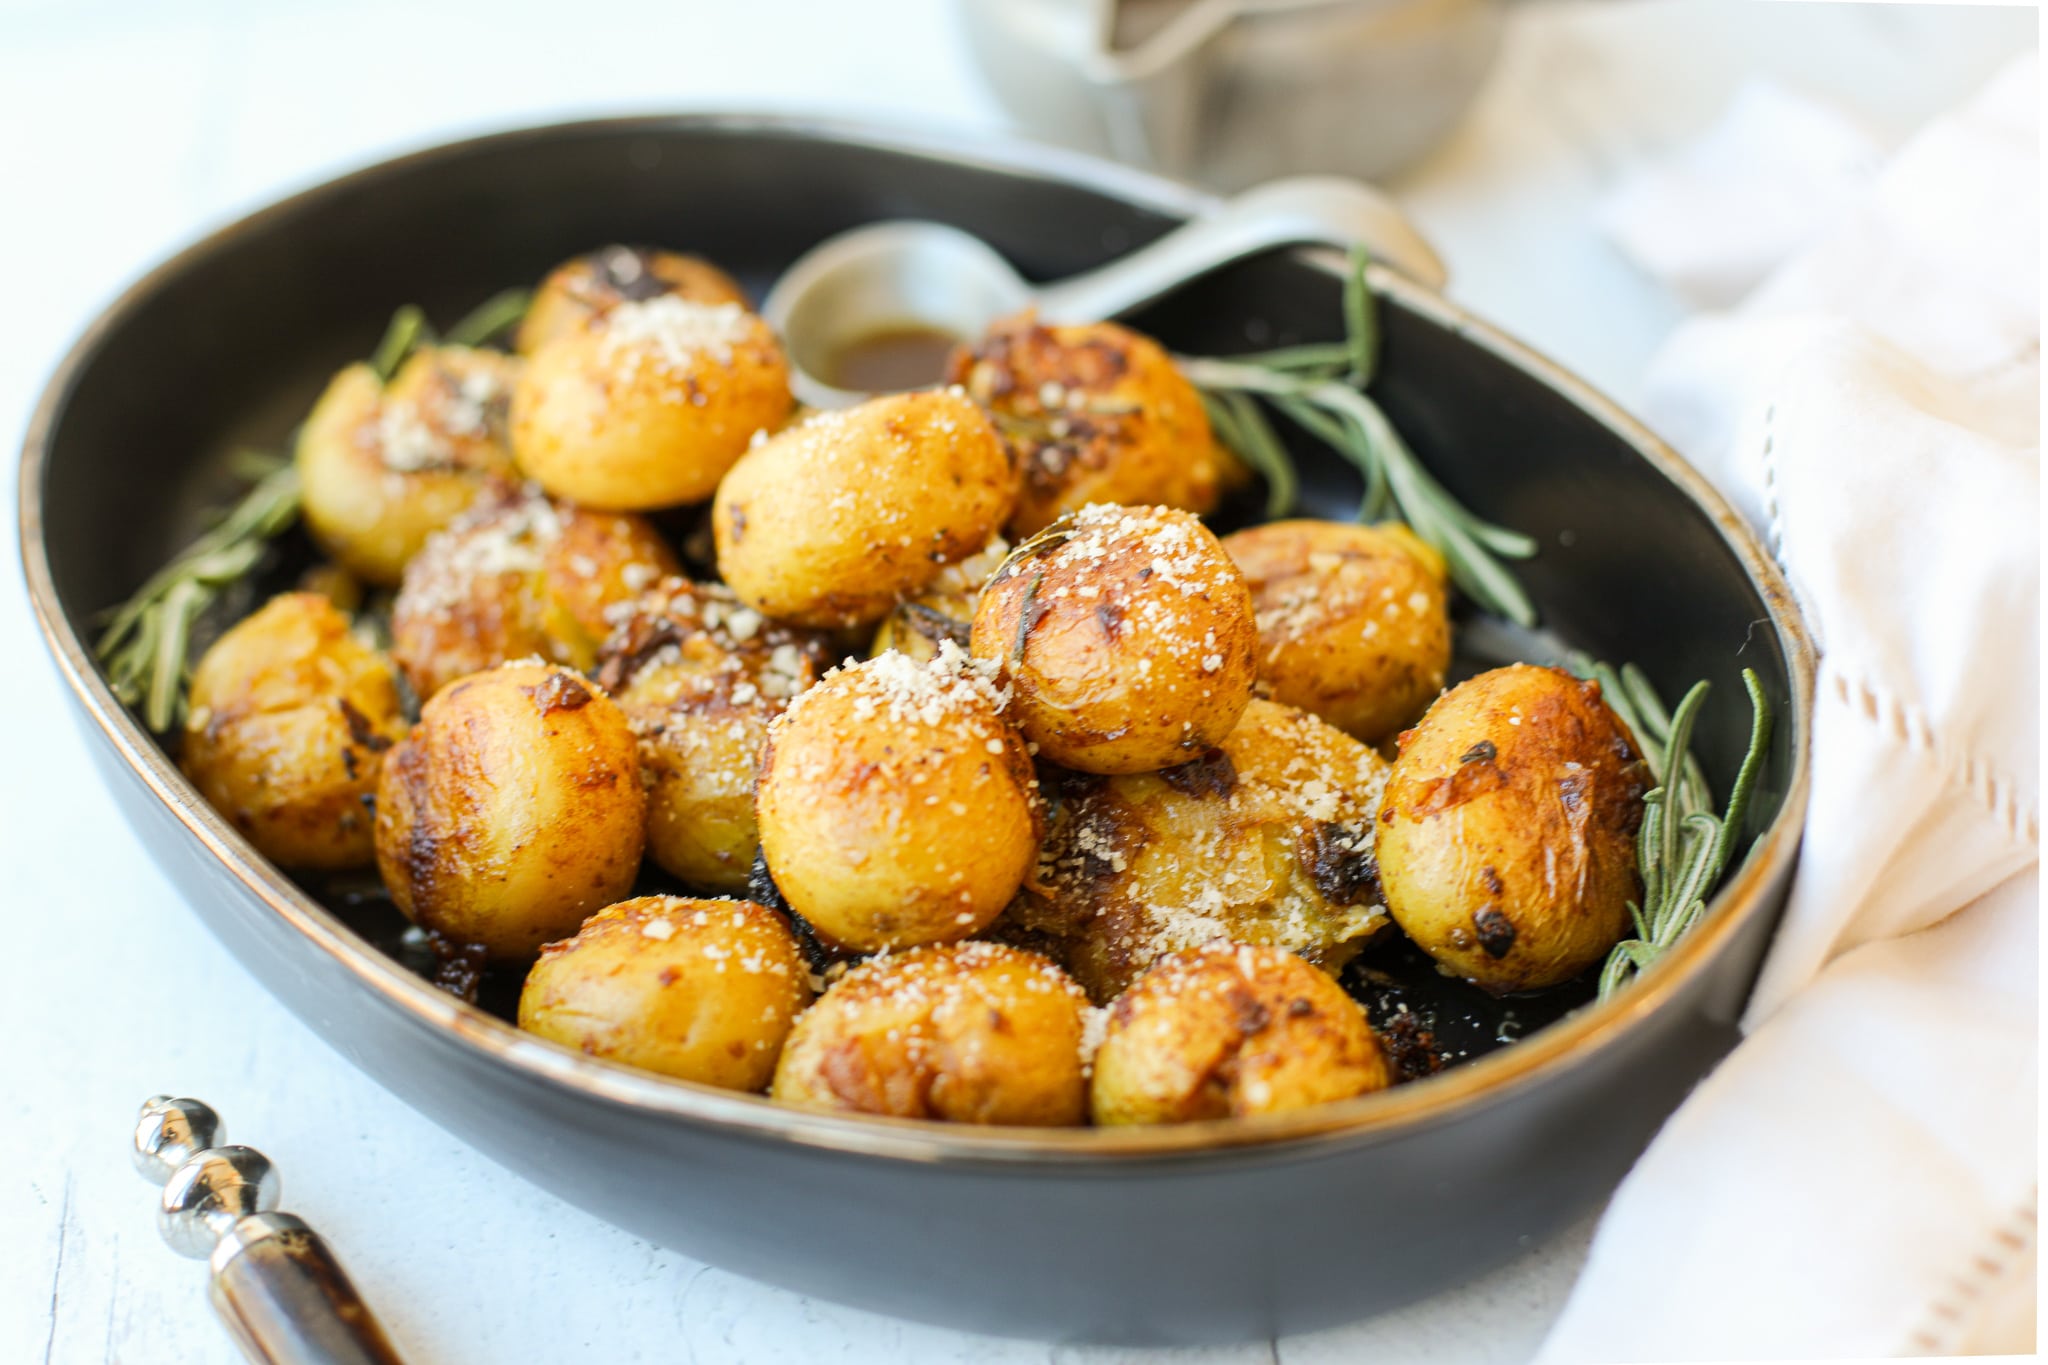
(382, 467)
(517, 577)
(1352, 621)
(970, 1033)
(288, 722)
(889, 826)
(829, 523)
(1507, 836)
(1266, 839)
(608, 420)
(703, 990)
(1227, 1031)
(1093, 413)
(1118, 666)
(513, 810)
(701, 676)
(580, 290)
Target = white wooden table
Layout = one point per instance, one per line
(129, 127)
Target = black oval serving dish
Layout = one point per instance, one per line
(1201, 1232)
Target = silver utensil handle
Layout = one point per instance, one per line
(1319, 210)
(286, 1299)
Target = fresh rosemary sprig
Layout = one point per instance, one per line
(1682, 847)
(1319, 387)
(146, 643)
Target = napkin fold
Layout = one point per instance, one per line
(1859, 1177)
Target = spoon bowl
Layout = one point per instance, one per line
(870, 288)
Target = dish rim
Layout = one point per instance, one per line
(1571, 1042)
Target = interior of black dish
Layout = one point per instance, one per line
(235, 340)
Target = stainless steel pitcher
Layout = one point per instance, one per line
(1231, 92)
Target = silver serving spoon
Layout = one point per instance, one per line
(890, 298)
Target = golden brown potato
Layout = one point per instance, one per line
(1265, 839)
(833, 521)
(1229, 1030)
(1093, 413)
(513, 810)
(382, 467)
(1352, 623)
(289, 719)
(579, 291)
(970, 1033)
(650, 404)
(1507, 836)
(517, 577)
(896, 805)
(943, 611)
(701, 990)
(700, 676)
(1128, 636)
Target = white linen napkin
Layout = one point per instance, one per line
(1859, 1177)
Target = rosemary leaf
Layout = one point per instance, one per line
(407, 331)
(1361, 322)
(145, 641)
(1252, 437)
(1682, 847)
(488, 319)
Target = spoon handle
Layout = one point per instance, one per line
(281, 1293)
(1323, 210)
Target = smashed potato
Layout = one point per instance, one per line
(579, 291)
(382, 467)
(1352, 621)
(701, 990)
(1229, 1030)
(969, 1033)
(512, 810)
(1507, 835)
(1265, 839)
(897, 807)
(1093, 413)
(289, 717)
(1128, 636)
(517, 577)
(833, 521)
(701, 675)
(650, 404)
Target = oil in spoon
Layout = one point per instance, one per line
(901, 356)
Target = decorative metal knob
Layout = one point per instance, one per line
(276, 1285)
(171, 1130)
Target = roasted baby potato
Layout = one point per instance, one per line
(289, 717)
(702, 990)
(1127, 634)
(943, 611)
(1352, 623)
(512, 810)
(579, 291)
(516, 577)
(969, 1033)
(1507, 835)
(1265, 839)
(1093, 413)
(833, 521)
(701, 675)
(1228, 1030)
(897, 807)
(648, 405)
(382, 467)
